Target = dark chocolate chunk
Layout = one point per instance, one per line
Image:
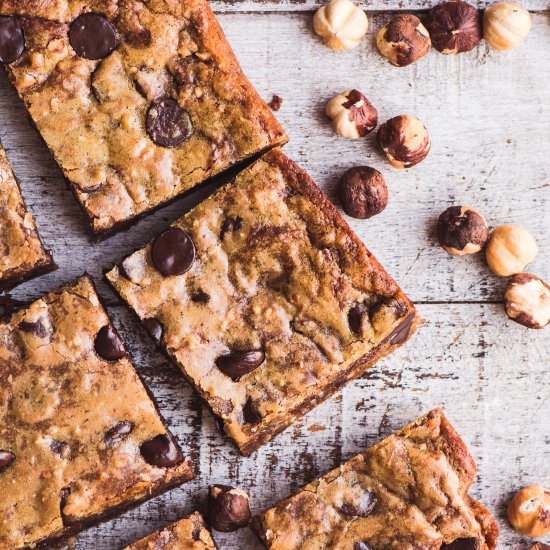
(401, 333)
(471, 543)
(239, 363)
(117, 433)
(92, 36)
(167, 124)
(154, 328)
(6, 458)
(60, 448)
(12, 41)
(108, 344)
(362, 508)
(250, 413)
(36, 328)
(355, 318)
(173, 252)
(161, 451)
(200, 296)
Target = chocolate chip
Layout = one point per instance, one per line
(167, 124)
(401, 333)
(471, 543)
(355, 318)
(361, 508)
(361, 545)
(118, 433)
(108, 344)
(60, 448)
(154, 328)
(12, 41)
(92, 36)
(161, 451)
(250, 413)
(200, 296)
(6, 458)
(230, 224)
(239, 363)
(36, 328)
(173, 252)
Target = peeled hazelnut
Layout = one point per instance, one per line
(510, 249)
(228, 508)
(403, 40)
(454, 27)
(505, 25)
(352, 114)
(341, 24)
(405, 141)
(462, 230)
(527, 300)
(529, 511)
(363, 192)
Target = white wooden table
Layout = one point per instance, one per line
(489, 117)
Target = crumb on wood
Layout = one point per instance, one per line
(317, 428)
(276, 102)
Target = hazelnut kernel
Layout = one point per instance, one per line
(454, 27)
(341, 24)
(462, 230)
(228, 508)
(363, 192)
(527, 300)
(405, 141)
(505, 25)
(529, 511)
(509, 250)
(352, 114)
(403, 40)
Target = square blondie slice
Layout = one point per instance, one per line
(410, 491)
(265, 299)
(22, 254)
(139, 101)
(189, 533)
(80, 438)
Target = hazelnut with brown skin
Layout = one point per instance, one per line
(454, 27)
(228, 508)
(352, 114)
(405, 141)
(403, 40)
(527, 300)
(509, 250)
(529, 511)
(462, 230)
(540, 546)
(363, 192)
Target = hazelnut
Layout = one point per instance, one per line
(352, 114)
(454, 27)
(462, 230)
(505, 25)
(529, 511)
(341, 24)
(527, 300)
(228, 508)
(540, 546)
(405, 141)
(509, 250)
(403, 40)
(363, 192)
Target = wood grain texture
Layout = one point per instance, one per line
(489, 117)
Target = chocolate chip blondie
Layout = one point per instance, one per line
(408, 492)
(22, 255)
(189, 533)
(138, 100)
(79, 435)
(265, 299)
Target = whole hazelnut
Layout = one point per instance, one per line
(352, 114)
(509, 250)
(405, 141)
(228, 508)
(527, 300)
(462, 230)
(454, 27)
(529, 511)
(341, 24)
(363, 192)
(505, 25)
(403, 40)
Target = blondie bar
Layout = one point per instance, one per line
(265, 299)
(189, 533)
(408, 492)
(79, 435)
(22, 255)
(138, 100)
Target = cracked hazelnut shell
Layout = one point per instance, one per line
(228, 508)
(404, 140)
(363, 192)
(527, 300)
(403, 40)
(462, 230)
(454, 27)
(505, 25)
(509, 250)
(352, 115)
(529, 511)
